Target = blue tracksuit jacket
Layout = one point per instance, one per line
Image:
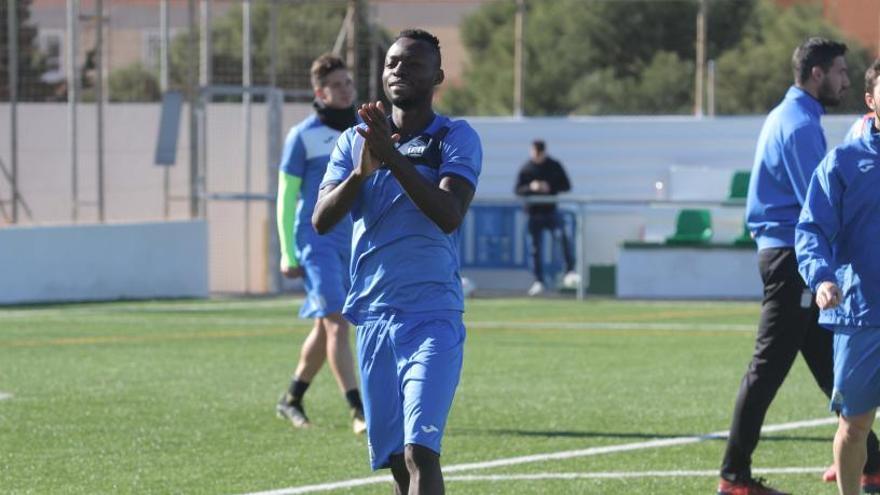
(790, 146)
(838, 235)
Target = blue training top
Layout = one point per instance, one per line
(839, 231)
(307, 150)
(401, 260)
(790, 146)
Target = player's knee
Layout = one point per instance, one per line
(421, 459)
(855, 429)
(335, 328)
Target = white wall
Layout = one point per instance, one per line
(133, 184)
(688, 273)
(103, 262)
(623, 157)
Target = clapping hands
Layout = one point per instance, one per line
(379, 142)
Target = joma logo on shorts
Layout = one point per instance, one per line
(430, 429)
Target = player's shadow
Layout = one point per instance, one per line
(777, 438)
(625, 435)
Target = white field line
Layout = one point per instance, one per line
(614, 325)
(131, 319)
(569, 454)
(280, 325)
(272, 302)
(221, 304)
(613, 449)
(151, 307)
(621, 474)
(327, 487)
(4, 396)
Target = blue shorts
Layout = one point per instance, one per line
(856, 370)
(326, 279)
(410, 366)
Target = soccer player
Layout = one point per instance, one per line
(545, 176)
(322, 261)
(407, 181)
(790, 146)
(837, 239)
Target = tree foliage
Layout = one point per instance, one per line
(134, 83)
(754, 76)
(304, 31)
(663, 86)
(578, 43)
(623, 57)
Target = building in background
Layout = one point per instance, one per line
(131, 32)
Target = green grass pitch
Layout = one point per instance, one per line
(178, 397)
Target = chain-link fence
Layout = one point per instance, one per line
(285, 37)
(95, 54)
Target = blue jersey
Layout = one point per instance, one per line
(306, 152)
(839, 231)
(790, 146)
(401, 260)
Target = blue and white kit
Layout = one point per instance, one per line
(837, 238)
(406, 297)
(324, 259)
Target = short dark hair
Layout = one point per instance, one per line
(422, 35)
(323, 66)
(815, 52)
(539, 145)
(871, 76)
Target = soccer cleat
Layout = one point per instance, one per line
(292, 411)
(358, 424)
(870, 481)
(535, 289)
(752, 486)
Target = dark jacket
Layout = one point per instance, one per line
(550, 171)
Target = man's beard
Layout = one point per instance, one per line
(407, 102)
(827, 97)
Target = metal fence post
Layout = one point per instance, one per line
(12, 35)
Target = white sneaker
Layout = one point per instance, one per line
(358, 425)
(571, 280)
(535, 289)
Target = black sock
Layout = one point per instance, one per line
(354, 399)
(297, 389)
(873, 462)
